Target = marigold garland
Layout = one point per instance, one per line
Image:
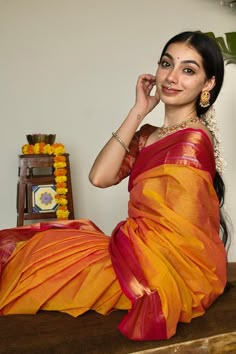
(60, 172)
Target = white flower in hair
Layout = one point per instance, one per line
(209, 118)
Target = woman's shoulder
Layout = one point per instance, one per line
(146, 130)
(201, 127)
(143, 134)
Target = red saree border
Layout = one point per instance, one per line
(188, 147)
(145, 320)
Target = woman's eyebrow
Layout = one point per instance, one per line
(188, 61)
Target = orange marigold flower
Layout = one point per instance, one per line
(60, 196)
(31, 149)
(60, 172)
(60, 158)
(41, 147)
(62, 208)
(61, 185)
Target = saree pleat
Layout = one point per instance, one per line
(164, 264)
(61, 270)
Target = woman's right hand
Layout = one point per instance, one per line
(106, 167)
(145, 102)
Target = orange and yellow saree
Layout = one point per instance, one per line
(165, 263)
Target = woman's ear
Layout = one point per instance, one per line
(209, 84)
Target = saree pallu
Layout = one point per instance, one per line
(165, 263)
(168, 256)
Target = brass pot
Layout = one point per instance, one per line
(41, 138)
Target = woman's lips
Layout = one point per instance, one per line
(169, 91)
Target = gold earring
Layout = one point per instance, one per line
(205, 99)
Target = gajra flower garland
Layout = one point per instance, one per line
(60, 172)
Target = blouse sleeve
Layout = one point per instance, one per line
(137, 143)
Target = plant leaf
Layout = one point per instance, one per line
(227, 46)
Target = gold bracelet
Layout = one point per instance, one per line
(120, 141)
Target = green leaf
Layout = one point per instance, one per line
(227, 46)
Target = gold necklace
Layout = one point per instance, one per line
(163, 131)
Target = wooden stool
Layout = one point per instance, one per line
(36, 179)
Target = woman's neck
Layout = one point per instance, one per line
(175, 115)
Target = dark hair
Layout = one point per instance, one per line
(213, 64)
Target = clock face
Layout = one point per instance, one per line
(43, 198)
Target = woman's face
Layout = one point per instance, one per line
(180, 75)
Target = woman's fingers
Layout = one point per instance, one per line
(146, 81)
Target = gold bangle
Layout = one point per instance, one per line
(120, 141)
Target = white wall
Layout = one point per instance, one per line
(70, 67)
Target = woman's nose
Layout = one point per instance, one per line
(173, 76)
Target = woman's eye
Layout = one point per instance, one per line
(165, 64)
(189, 71)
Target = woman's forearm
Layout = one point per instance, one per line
(106, 167)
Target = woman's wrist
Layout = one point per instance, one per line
(137, 113)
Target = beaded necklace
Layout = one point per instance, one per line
(163, 131)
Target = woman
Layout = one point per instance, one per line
(166, 263)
